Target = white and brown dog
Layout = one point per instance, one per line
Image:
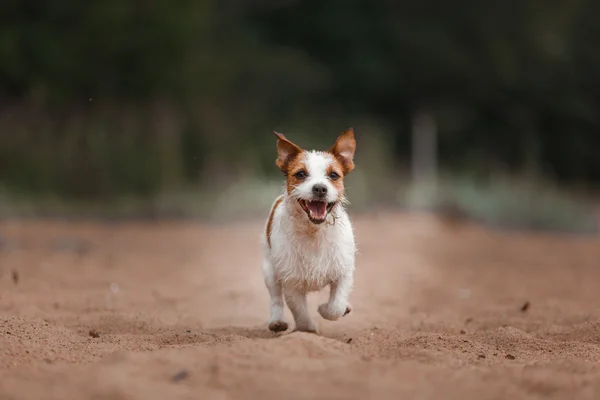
(309, 241)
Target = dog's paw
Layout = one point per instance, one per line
(278, 326)
(332, 313)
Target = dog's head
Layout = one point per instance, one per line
(316, 178)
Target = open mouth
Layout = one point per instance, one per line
(316, 210)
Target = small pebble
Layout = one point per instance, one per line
(510, 357)
(94, 333)
(114, 288)
(181, 375)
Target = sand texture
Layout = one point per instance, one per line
(179, 311)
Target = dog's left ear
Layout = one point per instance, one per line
(286, 151)
(343, 150)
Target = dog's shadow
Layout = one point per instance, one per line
(256, 332)
(262, 332)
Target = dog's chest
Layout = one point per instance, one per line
(310, 261)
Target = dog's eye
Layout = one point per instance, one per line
(333, 176)
(300, 174)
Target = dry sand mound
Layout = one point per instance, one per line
(161, 311)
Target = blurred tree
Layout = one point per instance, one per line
(501, 64)
(509, 83)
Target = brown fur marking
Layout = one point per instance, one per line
(270, 222)
(343, 150)
(286, 152)
(337, 167)
(294, 166)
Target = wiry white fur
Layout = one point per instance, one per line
(305, 257)
(316, 163)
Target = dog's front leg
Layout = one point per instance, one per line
(338, 304)
(296, 301)
(276, 321)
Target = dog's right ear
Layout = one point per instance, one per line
(286, 152)
(343, 150)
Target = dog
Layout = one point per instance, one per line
(308, 238)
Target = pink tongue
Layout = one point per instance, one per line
(318, 209)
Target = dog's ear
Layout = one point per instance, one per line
(343, 150)
(286, 151)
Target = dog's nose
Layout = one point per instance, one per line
(319, 190)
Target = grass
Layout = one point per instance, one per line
(502, 202)
(517, 203)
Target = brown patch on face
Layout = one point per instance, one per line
(334, 170)
(270, 221)
(343, 150)
(295, 167)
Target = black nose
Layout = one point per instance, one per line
(319, 190)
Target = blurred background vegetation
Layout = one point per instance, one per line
(161, 108)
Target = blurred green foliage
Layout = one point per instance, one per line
(100, 99)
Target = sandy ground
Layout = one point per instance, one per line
(172, 310)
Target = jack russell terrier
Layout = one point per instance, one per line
(309, 240)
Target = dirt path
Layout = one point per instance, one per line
(180, 311)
